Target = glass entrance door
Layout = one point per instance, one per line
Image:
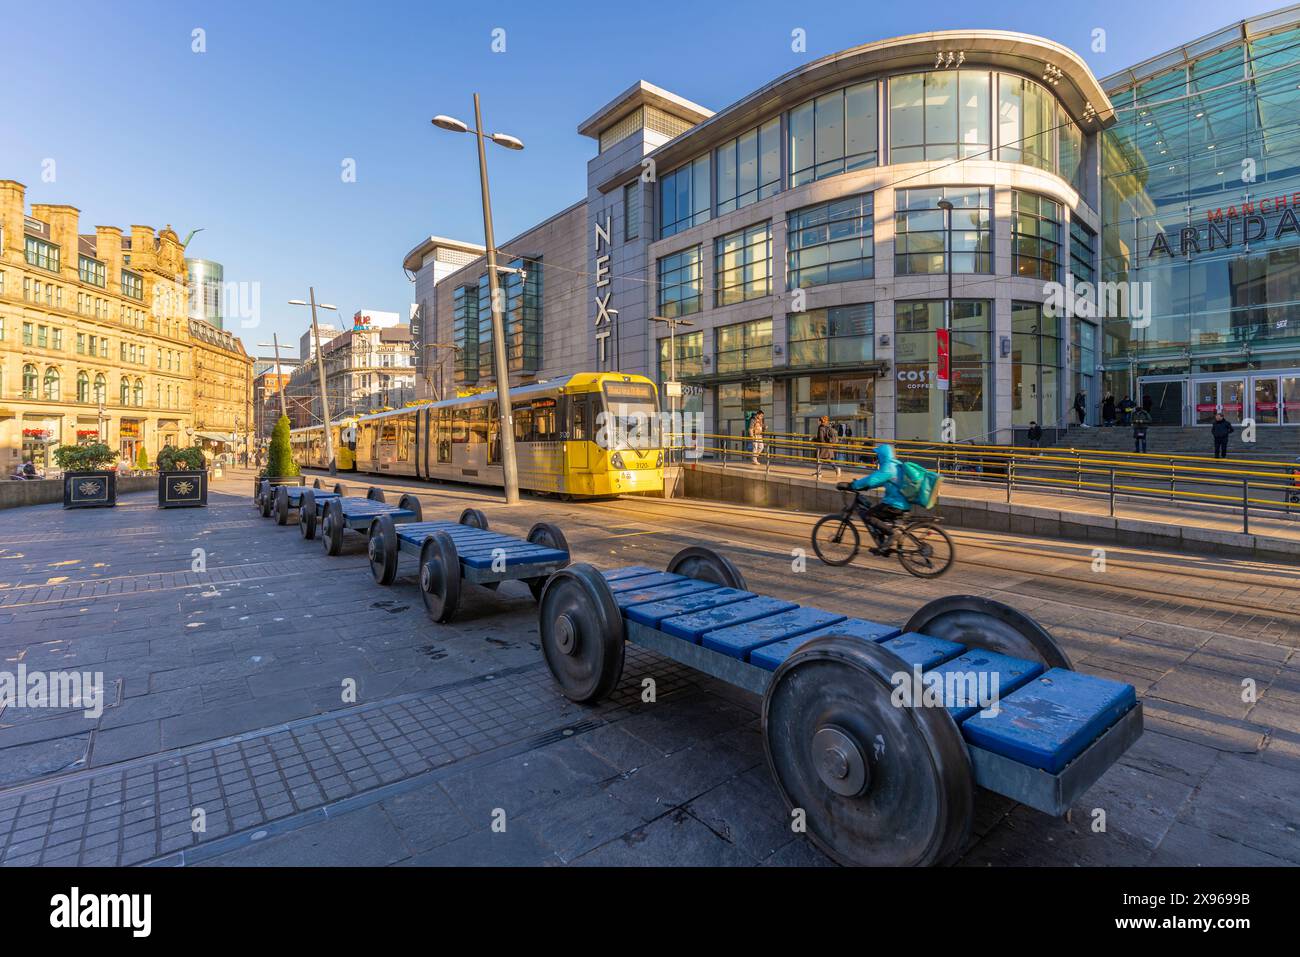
(1220, 395)
(1265, 400)
(1162, 400)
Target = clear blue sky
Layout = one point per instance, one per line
(248, 138)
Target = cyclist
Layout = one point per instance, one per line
(880, 517)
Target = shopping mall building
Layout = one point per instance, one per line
(818, 235)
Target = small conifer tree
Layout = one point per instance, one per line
(279, 461)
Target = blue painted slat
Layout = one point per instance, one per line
(655, 612)
(693, 625)
(981, 672)
(739, 640)
(642, 582)
(1051, 720)
(771, 656)
(642, 596)
(535, 557)
(922, 650)
(631, 571)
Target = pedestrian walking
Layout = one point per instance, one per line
(1108, 410)
(1035, 435)
(1221, 429)
(756, 435)
(1126, 408)
(825, 440)
(1081, 409)
(1139, 435)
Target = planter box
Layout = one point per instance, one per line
(182, 489)
(90, 489)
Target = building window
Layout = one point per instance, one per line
(919, 406)
(56, 339)
(27, 333)
(29, 382)
(486, 361)
(920, 230)
(690, 356)
(1026, 123)
(631, 211)
(744, 346)
(41, 254)
(742, 265)
(91, 271)
(684, 197)
(101, 389)
(938, 116)
(523, 319)
(681, 282)
(830, 242)
(50, 384)
(749, 167)
(839, 335)
(124, 391)
(1083, 251)
(1035, 236)
(464, 333)
(835, 133)
(83, 387)
(138, 392)
(132, 285)
(1035, 365)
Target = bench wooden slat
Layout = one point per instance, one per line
(693, 626)
(739, 640)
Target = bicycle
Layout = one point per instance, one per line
(922, 547)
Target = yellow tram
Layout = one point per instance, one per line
(583, 435)
(308, 445)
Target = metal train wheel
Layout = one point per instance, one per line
(440, 577)
(706, 565)
(331, 532)
(878, 784)
(266, 500)
(412, 503)
(548, 536)
(316, 484)
(582, 633)
(282, 505)
(307, 515)
(474, 518)
(340, 489)
(381, 549)
(984, 623)
(375, 494)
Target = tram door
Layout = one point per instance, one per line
(580, 425)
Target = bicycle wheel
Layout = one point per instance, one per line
(925, 550)
(835, 539)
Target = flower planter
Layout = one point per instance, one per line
(97, 489)
(182, 489)
(262, 502)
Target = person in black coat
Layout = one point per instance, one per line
(1035, 435)
(1221, 429)
(1108, 410)
(1081, 409)
(1139, 434)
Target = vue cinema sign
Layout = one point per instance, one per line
(1226, 227)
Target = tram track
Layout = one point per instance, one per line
(798, 528)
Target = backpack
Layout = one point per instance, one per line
(918, 484)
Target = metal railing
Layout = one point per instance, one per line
(1253, 487)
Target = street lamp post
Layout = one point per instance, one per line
(320, 375)
(946, 206)
(510, 467)
(279, 380)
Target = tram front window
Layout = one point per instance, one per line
(630, 417)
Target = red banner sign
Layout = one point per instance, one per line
(941, 336)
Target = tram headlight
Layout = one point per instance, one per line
(616, 461)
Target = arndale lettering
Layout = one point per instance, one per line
(1222, 233)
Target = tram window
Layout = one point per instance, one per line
(523, 416)
(444, 435)
(478, 431)
(494, 434)
(403, 440)
(546, 425)
(579, 418)
(460, 426)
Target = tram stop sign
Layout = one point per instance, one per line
(942, 377)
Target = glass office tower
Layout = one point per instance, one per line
(1201, 207)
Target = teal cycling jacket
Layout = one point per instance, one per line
(887, 476)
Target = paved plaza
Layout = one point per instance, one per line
(303, 714)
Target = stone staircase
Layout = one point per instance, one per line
(1281, 444)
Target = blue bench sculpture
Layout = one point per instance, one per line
(290, 498)
(335, 514)
(450, 553)
(878, 735)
